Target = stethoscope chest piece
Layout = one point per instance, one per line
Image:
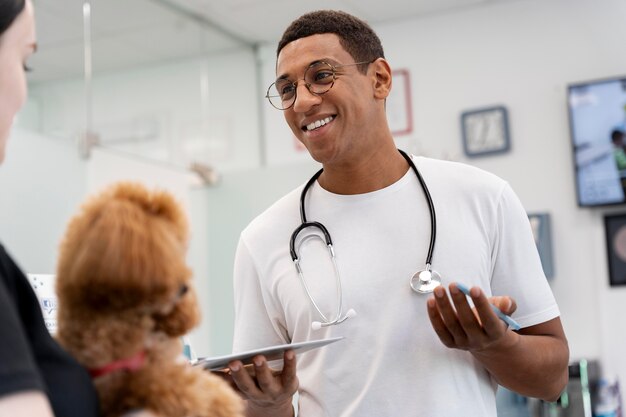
(425, 281)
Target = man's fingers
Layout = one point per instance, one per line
(491, 322)
(264, 376)
(288, 376)
(438, 325)
(242, 379)
(506, 304)
(449, 316)
(465, 313)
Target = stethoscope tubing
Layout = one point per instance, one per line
(305, 224)
(431, 208)
(337, 318)
(328, 240)
(303, 194)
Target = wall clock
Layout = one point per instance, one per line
(485, 131)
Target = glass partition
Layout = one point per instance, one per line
(160, 92)
(146, 78)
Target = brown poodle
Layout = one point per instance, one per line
(125, 298)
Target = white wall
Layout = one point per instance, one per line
(42, 183)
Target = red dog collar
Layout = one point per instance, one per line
(132, 364)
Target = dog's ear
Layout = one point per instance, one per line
(125, 249)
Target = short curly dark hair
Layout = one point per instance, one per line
(355, 35)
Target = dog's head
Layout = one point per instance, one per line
(124, 253)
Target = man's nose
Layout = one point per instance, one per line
(304, 98)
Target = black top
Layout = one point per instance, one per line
(30, 359)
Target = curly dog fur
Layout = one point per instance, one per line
(124, 289)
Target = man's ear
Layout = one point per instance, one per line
(382, 78)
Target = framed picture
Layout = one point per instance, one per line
(540, 225)
(615, 229)
(485, 131)
(398, 105)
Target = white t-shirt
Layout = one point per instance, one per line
(391, 362)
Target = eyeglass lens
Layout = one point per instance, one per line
(318, 79)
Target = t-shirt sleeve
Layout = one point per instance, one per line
(257, 323)
(18, 369)
(517, 269)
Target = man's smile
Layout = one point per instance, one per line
(317, 123)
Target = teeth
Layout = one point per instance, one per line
(318, 123)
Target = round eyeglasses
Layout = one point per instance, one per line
(319, 77)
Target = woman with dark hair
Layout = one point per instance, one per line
(37, 377)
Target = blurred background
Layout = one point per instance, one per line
(171, 93)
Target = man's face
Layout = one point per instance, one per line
(346, 110)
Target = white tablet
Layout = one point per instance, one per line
(271, 353)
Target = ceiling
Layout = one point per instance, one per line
(127, 33)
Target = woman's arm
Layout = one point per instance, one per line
(25, 404)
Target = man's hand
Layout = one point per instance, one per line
(531, 361)
(268, 393)
(463, 327)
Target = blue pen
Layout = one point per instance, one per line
(508, 320)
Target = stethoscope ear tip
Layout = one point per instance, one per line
(316, 325)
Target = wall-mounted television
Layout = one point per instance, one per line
(597, 114)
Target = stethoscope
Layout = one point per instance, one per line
(423, 281)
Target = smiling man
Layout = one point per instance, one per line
(339, 255)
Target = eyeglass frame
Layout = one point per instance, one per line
(308, 85)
